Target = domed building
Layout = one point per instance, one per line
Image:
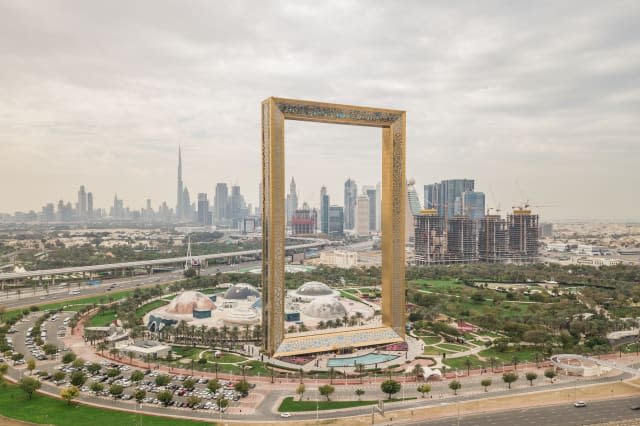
(325, 308)
(241, 291)
(312, 290)
(188, 302)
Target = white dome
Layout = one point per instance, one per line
(325, 308)
(314, 288)
(185, 303)
(241, 291)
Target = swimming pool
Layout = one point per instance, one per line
(367, 359)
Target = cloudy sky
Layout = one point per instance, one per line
(536, 101)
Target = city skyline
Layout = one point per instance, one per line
(534, 102)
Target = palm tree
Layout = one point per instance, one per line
(360, 369)
(418, 371)
(215, 367)
(101, 347)
(203, 334)
(114, 351)
(331, 373)
(257, 332)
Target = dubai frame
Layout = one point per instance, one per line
(393, 124)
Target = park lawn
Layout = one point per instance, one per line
(145, 309)
(225, 358)
(430, 340)
(75, 304)
(453, 347)
(488, 333)
(441, 285)
(186, 351)
(349, 296)
(460, 363)
(432, 350)
(102, 319)
(523, 355)
(47, 410)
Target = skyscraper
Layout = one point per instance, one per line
(492, 239)
(82, 202)
(324, 210)
(179, 200)
(362, 215)
(430, 237)
(472, 205)
(204, 217)
(372, 194)
(523, 235)
(336, 222)
(237, 207)
(292, 201)
(220, 202)
(350, 195)
(90, 204)
(442, 196)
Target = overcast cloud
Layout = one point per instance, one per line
(535, 100)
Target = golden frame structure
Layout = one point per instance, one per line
(393, 124)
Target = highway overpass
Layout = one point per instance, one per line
(17, 276)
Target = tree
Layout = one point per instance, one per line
(454, 386)
(485, 383)
(97, 387)
(326, 390)
(137, 375)
(418, 371)
(139, 395)
(359, 392)
(68, 357)
(425, 388)
(509, 377)
(3, 369)
(78, 378)
(193, 400)
(59, 375)
(29, 385)
(242, 386)
(69, 393)
(300, 391)
(165, 396)
(78, 363)
(213, 385)
(116, 390)
(162, 380)
(189, 384)
(550, 374)
(31, 365)
(101, 347)
(390, 387)
(113, 372)
(93, 368)
(531, 376)
(222, 403)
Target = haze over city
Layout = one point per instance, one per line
(535, 102)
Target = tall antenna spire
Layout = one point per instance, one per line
(179, 202)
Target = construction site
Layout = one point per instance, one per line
(460, 239)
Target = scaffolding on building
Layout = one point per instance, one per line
(430, 237)
(523, 235)
(493, 239)
(461, 240)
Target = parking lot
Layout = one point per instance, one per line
(27, 339)
(187, 392)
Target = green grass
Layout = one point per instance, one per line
(430, 340)
(225, 358)
(349, 296)
(438, 285)
(452, 347)
(523, 355)
(145, 309)
(46, 410)
(432, 350)
(289, 404)
(460, 363)
(102, 319)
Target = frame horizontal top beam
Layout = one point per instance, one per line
(295, 109)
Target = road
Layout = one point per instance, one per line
(557, 415)
(58, 294)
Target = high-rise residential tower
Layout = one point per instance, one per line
(362, 215)
(336, 222)
(350, 195)
(179, 200)
(324, 210)
(90, 204)
(220, 202)
(204, 216)
(442, 196)
(82, 202)
(292, 201)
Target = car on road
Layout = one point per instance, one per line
(635, 407)
(580, 404)
(285, 415)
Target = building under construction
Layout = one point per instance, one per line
(493, 239)
(523, 235)
(461, 240)
(430, 237)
